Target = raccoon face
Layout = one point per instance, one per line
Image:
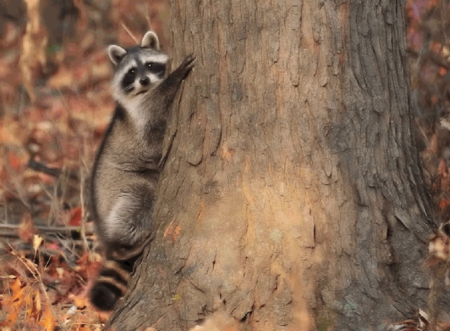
(138, 69)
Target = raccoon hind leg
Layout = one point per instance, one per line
(130, 221)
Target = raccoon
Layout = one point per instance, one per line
(126, 172)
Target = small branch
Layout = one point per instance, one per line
(38, 166)
(147, 16)
(83, 230)
(38, 277)
(55, 172)
(10, 230)
(129, 32)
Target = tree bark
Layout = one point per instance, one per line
(292, 196)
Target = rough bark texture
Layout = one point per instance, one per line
(291, 197)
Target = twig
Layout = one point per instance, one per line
(43, 229)
(35, 165)
(54, 172)
(52, 252)
(83, 208)
(147, 16)
(129, 32)
(38, 277)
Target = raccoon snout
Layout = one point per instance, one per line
(144, 81)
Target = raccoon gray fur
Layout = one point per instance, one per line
(126, 172)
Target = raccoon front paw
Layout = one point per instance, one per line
(186, 66)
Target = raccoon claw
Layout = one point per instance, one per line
(186, 66)
(188, 61)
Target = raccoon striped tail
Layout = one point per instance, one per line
(111, 284)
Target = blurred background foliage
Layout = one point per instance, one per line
(428, 38)
(54, 95)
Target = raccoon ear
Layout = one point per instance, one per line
(116, 54)
(150, 40)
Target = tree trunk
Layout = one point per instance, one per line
(292, 197)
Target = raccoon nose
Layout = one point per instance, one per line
(144, 81)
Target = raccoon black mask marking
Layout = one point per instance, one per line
(125, 172)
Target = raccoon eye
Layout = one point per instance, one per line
(131, 71)
(156, 68)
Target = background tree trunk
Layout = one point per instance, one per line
(292, 197)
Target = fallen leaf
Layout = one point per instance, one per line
(37, 241)
(26, 229)
(76, 216)
(48, 319)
